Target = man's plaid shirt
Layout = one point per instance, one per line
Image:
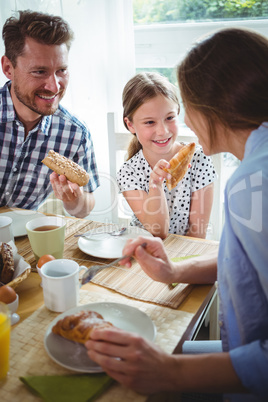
(24, 179)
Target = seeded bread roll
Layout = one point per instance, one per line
(78, 327)
(7, 268)
(62, 165)
(179, 165)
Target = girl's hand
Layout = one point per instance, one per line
(158, 175)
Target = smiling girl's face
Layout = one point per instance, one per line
(156, 125)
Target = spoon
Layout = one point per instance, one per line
(113, 233)
(92, 271)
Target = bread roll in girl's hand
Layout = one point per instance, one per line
(62, 165)
(179, 165)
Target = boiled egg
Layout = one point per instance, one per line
(45, 258)
(7, 294)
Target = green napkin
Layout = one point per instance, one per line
(176, 259)
(68, 388)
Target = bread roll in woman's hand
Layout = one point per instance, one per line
(179, 165)
(62, 165)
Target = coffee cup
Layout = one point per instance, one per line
(6, 233)
(60, 280)
(46, 235)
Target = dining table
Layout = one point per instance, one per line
(176, 311)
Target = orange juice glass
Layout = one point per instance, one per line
(4, 340)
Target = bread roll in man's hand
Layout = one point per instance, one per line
(62, 165)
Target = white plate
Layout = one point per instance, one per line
(107, 246)
(20, 218)
(73, 355)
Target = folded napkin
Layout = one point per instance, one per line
(68, 388)
(177, 259)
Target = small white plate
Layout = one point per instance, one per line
(20, 218)
(73, 355)
(106, 246)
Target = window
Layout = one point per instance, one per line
(173, 11)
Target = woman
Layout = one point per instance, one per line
(224, 86)
(151, 108)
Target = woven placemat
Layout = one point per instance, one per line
(28, 355)
(133, 282)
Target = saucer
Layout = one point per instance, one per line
(13, 307)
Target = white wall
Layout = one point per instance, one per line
(102, 59)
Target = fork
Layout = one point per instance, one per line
(113, 233)
(92, 271)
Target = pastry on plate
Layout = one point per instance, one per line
(78, 327)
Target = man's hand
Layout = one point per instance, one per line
(75, 200)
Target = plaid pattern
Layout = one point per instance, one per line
(24, 180)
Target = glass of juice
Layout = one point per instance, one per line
(4, 339)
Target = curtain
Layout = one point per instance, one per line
(101, 60)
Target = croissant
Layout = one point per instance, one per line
(78, 327)
(62, 165)
(179, 165)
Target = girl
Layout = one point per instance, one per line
(151, 108)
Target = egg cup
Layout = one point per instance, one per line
(13, 307)
(39, 272)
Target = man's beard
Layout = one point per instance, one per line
(30, 103)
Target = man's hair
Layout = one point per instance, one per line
(43, 28)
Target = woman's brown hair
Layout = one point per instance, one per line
(225, 78)
(138, 90)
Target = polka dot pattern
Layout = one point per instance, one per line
(135, 175)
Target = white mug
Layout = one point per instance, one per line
(60, 280)
(6, 233)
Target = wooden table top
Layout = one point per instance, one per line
(31, 295)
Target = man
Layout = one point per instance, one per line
(32, 121)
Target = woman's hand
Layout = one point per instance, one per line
(130, 359)
(156, 264)
(152, 258)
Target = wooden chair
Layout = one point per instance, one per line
(118, 143)
(118, 140)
